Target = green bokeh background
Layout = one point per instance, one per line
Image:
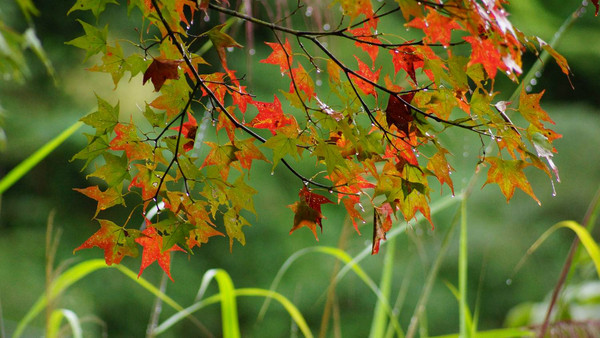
(499, 233)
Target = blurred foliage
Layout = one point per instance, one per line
(37, 109)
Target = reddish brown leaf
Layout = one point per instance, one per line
(398, 113)
(152, 243)
(382, 223)
(114, 240)
(595, 2)
(188, 131)
(160, 70)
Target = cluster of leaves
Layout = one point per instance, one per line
(373, 134)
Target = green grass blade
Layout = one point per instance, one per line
(253, 292)
(74, 274)
(464, 323)
(349, 264)
(56, 319)
(584, 236)
(378, 326)
(497, 333)
(24, 167)
(229, 314)
(65, 280)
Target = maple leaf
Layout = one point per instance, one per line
(364, 70)
(221, 41)
(440, 167)
(104, 119)
(308, 211)
(248, 152)
(128, 140)
(398, 113)
(485, 52)
(405, 58)
(354, 8)
(188, 130)
(114, 171)
(113, 63)
(94, 40)
(96, 6)
(152, 243)
(106, 199)
(595, 2)
(366, 41)
(508, 174)
(270, 116)
(116, 241)
(437, 27)
(529, 107)
(281, 55)
(160, 70)
(381, 226)
(221, 156)
(302, 81)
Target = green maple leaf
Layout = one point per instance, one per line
(233, 225)
(114, 171)
(113, 63)
(240, 196)
(174, 232)
(104, 119)
(330, 154)
(96, 6)
(97, 144)
(282, 145)
(94, 40)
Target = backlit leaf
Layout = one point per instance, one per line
(509, 175)
(116, 241)
(152, 244)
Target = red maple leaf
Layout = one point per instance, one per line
(188, 130)
(486, 53)
(152, 243)
(437, 27)
(114, 240)
(366, 72)
(308, 211)
(160, 70)
(281, 55)
(270, 116)
(366, 41)
(405, 58)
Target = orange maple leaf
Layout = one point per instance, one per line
(152, 243)
(281, 55)
(509, 175)
(106, 199)
(114, 240)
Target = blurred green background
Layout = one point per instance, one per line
(499, 233)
